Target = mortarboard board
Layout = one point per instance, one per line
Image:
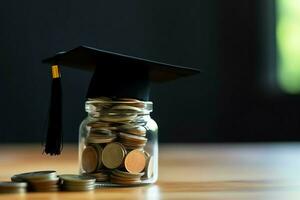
(115, 75)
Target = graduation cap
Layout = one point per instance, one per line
(115, 76)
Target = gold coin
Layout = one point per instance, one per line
(120, 173)
(44, 182)
(124, 182)
(105, 131)
(132, 102)
(126, 107)
(147, 154)
(12, 187)
(100, 176)
(121, 178)
(36, 175)
(113, 155)
(7, 184)
(118, 118)
(98, 124)
(128, 100)
(103, 98)
(132, 145)
(78, 187)
(134, 138)
(99, 152)
(100, 139)
(45, 186)
(89, 159)
(135, 161)
(73, 178)
(133, 129)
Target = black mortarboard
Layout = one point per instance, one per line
(115, 75)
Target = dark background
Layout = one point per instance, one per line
(235, 99)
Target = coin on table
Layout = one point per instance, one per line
(73, 178)
(135, 161)
(15, 178)
(113, 155)
(72, 182)
(77, 188)
(50, 188)
(47, 181)
(13, 187)
(44, 185)
(36, 175)
(100, 176)
(89, 159)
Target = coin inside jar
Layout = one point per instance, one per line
(89, 159)
(136, 130)
(113, 155)
(149, 167)
(135, 161)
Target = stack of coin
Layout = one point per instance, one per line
(132, 141)
(116, 141)
(100, 138)
(125, 178)
(100, 176)
(13, 187)
(71, 182)
(39, 181)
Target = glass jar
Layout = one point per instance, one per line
(118, 142)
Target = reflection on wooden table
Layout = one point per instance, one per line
(231, 171)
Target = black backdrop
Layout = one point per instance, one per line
(168, 31)
(228, 102)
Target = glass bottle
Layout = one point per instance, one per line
(118, 142)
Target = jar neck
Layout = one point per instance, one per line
(118, 109)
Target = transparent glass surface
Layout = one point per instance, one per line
(119, 126)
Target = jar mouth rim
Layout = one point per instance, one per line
(91, 101)
(109, 105)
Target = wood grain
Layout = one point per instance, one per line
(264, 171)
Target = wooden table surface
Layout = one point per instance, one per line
(203, 171)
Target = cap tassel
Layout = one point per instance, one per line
(54, 133)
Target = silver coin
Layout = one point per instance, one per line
(15, 190)
(36, 175)
(78, 188)
(12, 187)
(77, 178)
(7, 184)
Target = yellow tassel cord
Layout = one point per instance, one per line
(55, 71)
